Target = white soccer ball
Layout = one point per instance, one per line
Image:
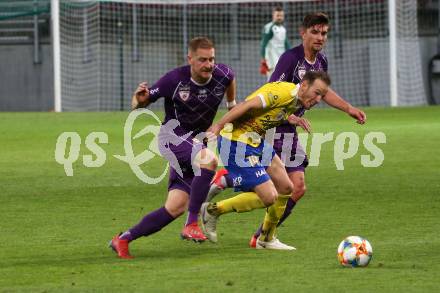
(355, 251)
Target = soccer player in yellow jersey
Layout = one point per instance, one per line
(253, 165)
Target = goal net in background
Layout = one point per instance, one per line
(108, 47)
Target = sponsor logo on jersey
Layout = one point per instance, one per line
(153, 91)
(237, 181)
(219, 91)
(202, 94)
(282, 76)
(260, 173)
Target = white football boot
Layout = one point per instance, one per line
(274, 244)
(209, 223)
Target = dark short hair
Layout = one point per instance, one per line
(277, 9)
(200, 42)
(316, 18)
(311, 76)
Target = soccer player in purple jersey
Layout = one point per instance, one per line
(192, 96)
(291, 67)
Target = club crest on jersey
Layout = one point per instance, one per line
(253, 160)
(301, 72)
(184, 93)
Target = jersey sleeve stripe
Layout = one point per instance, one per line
(263, 100)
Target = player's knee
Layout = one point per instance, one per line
(176, 211)
(301, 190)
(270, 199)
(298, 191)
(210, 165)
(213, 163)
(207, 159)
(176, 205)
(286, 188)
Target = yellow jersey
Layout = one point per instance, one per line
(279, 101)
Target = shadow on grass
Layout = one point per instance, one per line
(181, 251)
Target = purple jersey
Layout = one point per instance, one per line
(194, 105)
(291, 68)
(293, 65)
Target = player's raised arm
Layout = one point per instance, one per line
(334, 100)
(140, 97)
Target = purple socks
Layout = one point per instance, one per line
(150, 224)
(199, 191)
(156, 220)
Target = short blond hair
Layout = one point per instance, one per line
(200, 42)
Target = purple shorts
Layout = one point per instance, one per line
(294, 156)
(175, 181)
(179, 151)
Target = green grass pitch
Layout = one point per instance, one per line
(54, 229)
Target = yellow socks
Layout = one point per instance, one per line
(247, 201)
(243, 202)
(272, 217)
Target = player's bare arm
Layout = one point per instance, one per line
(140, 97)
(235, 113)
(334, 100)
(231, 93)
(299, 121)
